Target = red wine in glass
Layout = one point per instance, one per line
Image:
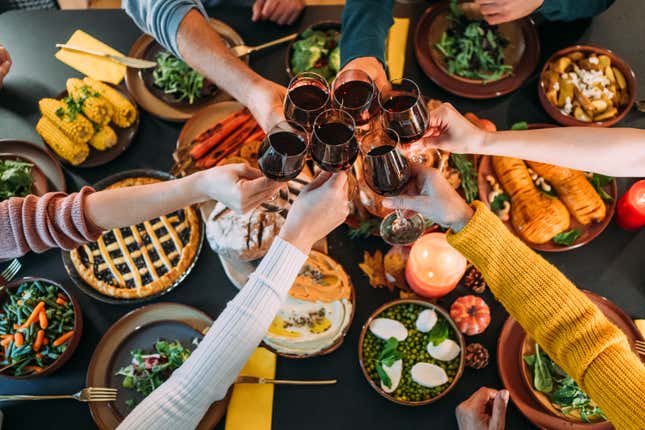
(355, 93)
(334, 147)
(387, 172)
(404, 110)
(307, 97)
(282, 155)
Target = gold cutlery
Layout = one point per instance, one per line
(91, 394)
(135, 63)
(242, 50)
(640, 347)
(257, 380)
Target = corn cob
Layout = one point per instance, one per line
(95, 107)
(124, 112)
(104, 138)
(78, 128)
(71, 151)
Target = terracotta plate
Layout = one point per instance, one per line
(140, 329)
(523, 53)
(509, 363)
(453, 326)
(80, 283)
(155, 101)
(40, 183)
(124, 136)
(589, 232)
(43, 161)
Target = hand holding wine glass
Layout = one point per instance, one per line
(334, 147)
(404, 110)
(354, 92)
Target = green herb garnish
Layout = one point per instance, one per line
(387, 357)
(15, 179)
(364, 229)
(567, 238)
(176, 77)
(439, 332)
(473, 49)
(498, 202)
(317, 51)
(598, 181)
(522, 125)
(468, 175)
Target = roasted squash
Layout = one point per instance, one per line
(574, 190)
(535, 216)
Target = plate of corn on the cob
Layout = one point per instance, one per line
(89, 124)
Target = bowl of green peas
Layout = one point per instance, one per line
(40, 327)
(411, 352)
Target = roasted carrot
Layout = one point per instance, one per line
(39, 355)
(202, 148)
(19, 338)
(40, 337)
(63, 338)
(258, 134)
(46, 341)
(226, 147)
(486, 124)
(33, 368)
(42, 319)
(60, 301)
(208, 133)
(7, 340)
(34, 314)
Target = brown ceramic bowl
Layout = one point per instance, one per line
(73, 342)
(588, 232)
(39, 156)
(324, 25)
(567, 120)
(40, 183)
(429, 305)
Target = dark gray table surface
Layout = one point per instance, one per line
(612, 265)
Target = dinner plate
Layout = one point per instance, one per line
(509, 364)
(87, 289)
(41, 158)
(589, 232)
(154, 100)
(323, 26)
(523, 53)
(124, 137)
(140, 329)
(40, 184)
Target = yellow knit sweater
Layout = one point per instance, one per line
(570, 328)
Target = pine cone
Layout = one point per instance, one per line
(475, 280)
(476, 356)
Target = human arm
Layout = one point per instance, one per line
(207, 375)
(566, 324)
(181, 26)
(5, 63)
(500, 11)
(582, 148)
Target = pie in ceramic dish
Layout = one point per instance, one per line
(143, 259)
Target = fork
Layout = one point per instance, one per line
(242, 50)
(91, 394)
(640, 347)
(10, 271)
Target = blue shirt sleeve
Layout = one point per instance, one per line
(365, 24)
(569, 10)
(161, 18)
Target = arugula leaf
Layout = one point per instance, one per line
(542, 379)
(498, 202)
(364, 229)
(388, 356)
(522, 125)
(439, 332)
(598, 181)
(567, 238)
(176, 77)
(15, 179)
(468, 175)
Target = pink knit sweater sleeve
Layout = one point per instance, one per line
(40, 223)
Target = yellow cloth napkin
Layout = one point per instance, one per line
(99, 68)
(251, 406)
(641, 326)
(396, 45)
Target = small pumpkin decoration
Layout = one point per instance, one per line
(471, 314)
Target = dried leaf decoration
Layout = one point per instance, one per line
(372, 266)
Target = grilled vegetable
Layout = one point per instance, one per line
(67, 149)
(574, 190)
(104, 138)
(94, 106)
(535, 216)
(124, 113)
(78, 128)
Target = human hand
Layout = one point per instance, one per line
(372, 67)
(451, 131)
(436, 200)
(279, 11)
(500, 11)
(267, 103)
(475, 413)
(321, 207)
(5, 63)
(239, 187)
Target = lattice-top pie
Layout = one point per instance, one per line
(143, 259)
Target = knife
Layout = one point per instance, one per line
(257, 380)
(135, 63)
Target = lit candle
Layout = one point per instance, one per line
(434, 268)
(630, 209)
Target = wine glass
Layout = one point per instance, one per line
(387, 172)
(281, 157)
(333, 146)
(354, 91)
(307, 96)
(404, 110)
